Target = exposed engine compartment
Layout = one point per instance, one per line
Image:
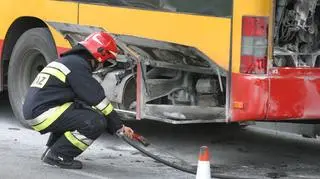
(296, 33)
(179, 85)
(171, 75)
(159, 80)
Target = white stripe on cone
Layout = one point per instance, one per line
(203, 170)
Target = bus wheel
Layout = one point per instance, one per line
(33, 50)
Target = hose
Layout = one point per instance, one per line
(175, 162)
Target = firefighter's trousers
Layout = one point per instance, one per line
(74, 130)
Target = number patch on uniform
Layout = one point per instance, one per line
(40, 80)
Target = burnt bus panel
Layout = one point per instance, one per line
(194, 60)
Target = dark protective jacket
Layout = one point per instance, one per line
(68, 79)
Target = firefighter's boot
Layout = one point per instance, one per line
(63, 162)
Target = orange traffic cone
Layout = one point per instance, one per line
(203, 170)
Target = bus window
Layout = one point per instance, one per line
(220, 8)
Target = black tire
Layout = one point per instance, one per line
(33, 50)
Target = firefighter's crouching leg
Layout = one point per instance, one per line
(51, 140)
(81, 127)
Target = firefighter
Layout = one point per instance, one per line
(67, 102)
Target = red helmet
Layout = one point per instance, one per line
(101, 45)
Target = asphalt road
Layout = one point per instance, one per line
(249, 151)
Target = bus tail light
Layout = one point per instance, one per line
(254, 45)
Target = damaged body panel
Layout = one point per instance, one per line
(159, 80)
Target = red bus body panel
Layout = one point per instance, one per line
(294, 94)
(284, 94)
(252, 92)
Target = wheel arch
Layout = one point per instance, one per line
(16, 29)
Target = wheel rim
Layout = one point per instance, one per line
(34, 62)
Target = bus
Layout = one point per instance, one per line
(201, 61)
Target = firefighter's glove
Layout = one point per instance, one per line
(127, 131)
